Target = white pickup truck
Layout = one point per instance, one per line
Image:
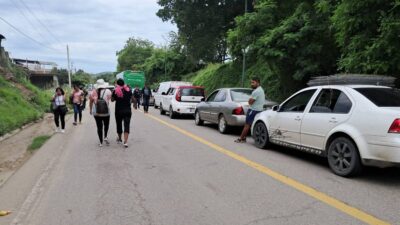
(181, 100)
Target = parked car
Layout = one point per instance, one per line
(181, 100)
(164, 87)
(351, 125)
(226, 107)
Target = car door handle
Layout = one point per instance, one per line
(333, 120)
(297, 119)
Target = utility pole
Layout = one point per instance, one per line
(244, 50)
(244, 66)
(69, 69)
(165, 64)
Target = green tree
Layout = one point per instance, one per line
(368, 35)
(203, 25)
(134, 54)
(289, 41)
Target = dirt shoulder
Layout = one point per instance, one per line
(13, 150)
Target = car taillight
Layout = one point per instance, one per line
(395, 127)
(178, 96)
(238, 111)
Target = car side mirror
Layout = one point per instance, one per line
(275, 108)
(163, 93)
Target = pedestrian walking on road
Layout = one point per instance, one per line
(256, 102)
(146, 93)
(59, 109)
(77, 100)
(137, 94)
(99, 105)
(123, 97)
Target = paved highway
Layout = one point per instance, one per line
(176, 173)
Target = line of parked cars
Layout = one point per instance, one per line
(350, 125)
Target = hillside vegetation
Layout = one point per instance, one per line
(20, 101)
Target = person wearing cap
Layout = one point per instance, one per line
(102, 119)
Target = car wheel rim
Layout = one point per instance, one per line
(342, 156)
(197, 118)
(222, 124)
(260, 135)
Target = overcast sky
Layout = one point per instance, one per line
(94, 29)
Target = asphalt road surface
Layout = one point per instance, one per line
(176, 173)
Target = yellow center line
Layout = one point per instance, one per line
(335, 203)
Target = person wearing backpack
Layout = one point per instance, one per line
(99, 108)
(123, 97)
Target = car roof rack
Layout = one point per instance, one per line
(353, 79)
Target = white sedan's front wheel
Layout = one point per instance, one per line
(260, 135)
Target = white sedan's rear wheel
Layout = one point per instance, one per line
(343, 157)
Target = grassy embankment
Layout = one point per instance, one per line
(20, 102)
(216, 76)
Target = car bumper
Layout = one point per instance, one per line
(186, 109)
(383, 152)
(236, 120)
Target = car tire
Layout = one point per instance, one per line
(343, 157)
(197, 119)
(155, 106)
(223, 126)
(172, 114)
(260, 135)
(162, 112)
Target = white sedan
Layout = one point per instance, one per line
(351, 125)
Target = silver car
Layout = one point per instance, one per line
(226, 107)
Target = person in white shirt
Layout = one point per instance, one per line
(99, 108)
(59, 109)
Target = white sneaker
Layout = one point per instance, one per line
(100, 145)
(57, 130)
(62, 131)
(126, 145)
(106, 141)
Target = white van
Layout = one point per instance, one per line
(164, 87)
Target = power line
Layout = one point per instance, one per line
(27, 19)
(27, 36)
(41, 23)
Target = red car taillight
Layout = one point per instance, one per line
(395, 127)
(178, 96)
(238, 111)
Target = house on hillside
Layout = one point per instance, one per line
(41, 74)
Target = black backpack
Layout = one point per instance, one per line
(101, 105)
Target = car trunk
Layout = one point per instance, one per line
(191, 94)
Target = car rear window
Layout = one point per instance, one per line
(382, 97)
(192, 92)
(240, 95)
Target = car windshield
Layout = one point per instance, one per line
(382, 97)
(241, 95)
(192, 92)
